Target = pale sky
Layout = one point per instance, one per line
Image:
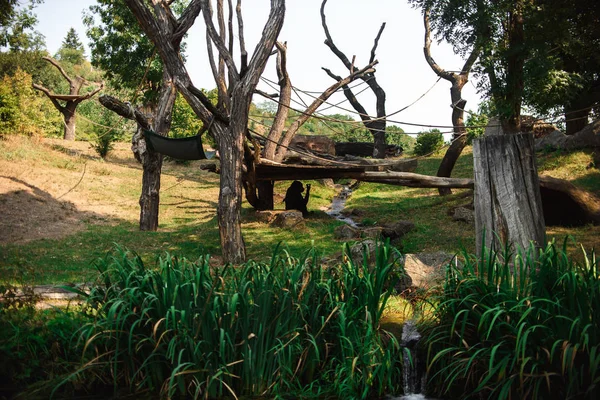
(402, 70)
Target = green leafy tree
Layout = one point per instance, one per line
(119, 47)
(23, 111)
(7, 10)
(428, 142)
(72, 50)
(17, 32)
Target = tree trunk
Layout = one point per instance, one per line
(150, 196)
(230, 194)
(152, 161)
(508, 208)
(577, 119)
(379, 143)
(70, 123)
(265, 191)
(459, 138)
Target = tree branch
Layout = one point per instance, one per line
(376, 43)
(329, 40)
(439, 71)
(316, 104)
(51, 96)
(187, 19)
(125, 110)
(217, 40)
(57, 65)
(243, 52)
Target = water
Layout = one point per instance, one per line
(413, 373)
(338, 204)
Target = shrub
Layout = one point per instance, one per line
(528, 329)
(290, 327)
(428, 143)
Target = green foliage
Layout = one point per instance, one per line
(17, 32)
(476, 123)
(184, 123)
(35, 346)
(120, 48)
(524, 325)
(107, 129)
(285, 328)
(428, 143)
(72, 50)
(23, 110)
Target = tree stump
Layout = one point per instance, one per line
(508, 206)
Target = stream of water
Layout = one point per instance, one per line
(337, 205)
(413, 373)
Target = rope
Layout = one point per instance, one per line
(77, 184)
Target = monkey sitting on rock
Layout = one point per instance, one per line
(294, 200)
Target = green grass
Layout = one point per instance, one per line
(290, 327)
(107, 201)
(520, 325)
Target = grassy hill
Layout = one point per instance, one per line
(63, 208)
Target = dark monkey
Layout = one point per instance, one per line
(294, 200)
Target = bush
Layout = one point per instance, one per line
(528, 329)
(428, 143)
(287, 328)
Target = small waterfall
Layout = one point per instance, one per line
(413, 372)
(337, 205)
(414, 381)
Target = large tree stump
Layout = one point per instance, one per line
(508, 206)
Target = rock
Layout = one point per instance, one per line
(346, 232)
(587, 137)
(396, 230)
(426, 269)
(374, 232)
(288, 219)
(327, 182)
(266, 216)
(464, 214)
(352, 212)
(554, 140)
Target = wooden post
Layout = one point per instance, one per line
(508, 207)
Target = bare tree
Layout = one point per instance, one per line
(227, 122)
(458, 81)
(375, 125)
(260, 193)
(71, 100)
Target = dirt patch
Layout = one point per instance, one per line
(45, 189)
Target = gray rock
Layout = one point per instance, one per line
(396, 230)
(346, 232)
(426, 269)
(464, 214)
(288, 219)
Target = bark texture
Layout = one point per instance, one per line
(508, 208)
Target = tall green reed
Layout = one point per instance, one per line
(518, 325)
(288, 327)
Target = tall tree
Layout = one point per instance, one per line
(375, 125)
(71, 50)
(227, 121)
(507, 197)
(67, 104)
(562, 72)
(458, 80)
(120, 47)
